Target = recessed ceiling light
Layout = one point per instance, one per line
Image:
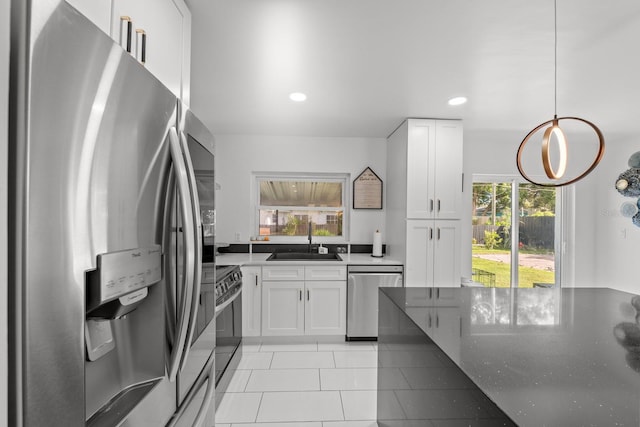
(298, 96)
(458, 100)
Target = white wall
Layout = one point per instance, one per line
(617, 240)
(494, 153)
(238, 156)
(4, 88)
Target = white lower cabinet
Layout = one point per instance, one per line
(251, 301)
(282, 308)
(325, 310)
(433, 253)
(291, 306)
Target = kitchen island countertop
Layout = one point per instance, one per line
(545, 357)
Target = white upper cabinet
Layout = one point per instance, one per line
(420, 163)
(433, 168)
(166, 25)
(98, 11)
(447, 173)
(158, 35)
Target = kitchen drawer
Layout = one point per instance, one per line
(325, 272)
(283, 272)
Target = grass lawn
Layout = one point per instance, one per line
(526, 276)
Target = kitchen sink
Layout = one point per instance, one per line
(303, 256)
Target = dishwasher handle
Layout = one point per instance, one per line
(397, 283)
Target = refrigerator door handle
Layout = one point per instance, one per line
(196, 246)
(180, 347)
(208, 398)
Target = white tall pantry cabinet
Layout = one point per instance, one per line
(424, 195)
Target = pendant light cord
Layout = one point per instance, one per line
(555, 58)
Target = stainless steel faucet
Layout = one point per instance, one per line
(309, 237)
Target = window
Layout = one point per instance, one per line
(288, 205)
(516, 233)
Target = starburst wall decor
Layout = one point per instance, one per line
(628, 184)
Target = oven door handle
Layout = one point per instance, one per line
(196, 248)
(180, 346)
(221, 307)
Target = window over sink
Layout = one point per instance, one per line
(287, 203)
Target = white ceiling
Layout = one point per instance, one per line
(367, 64)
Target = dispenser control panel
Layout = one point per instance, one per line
(120, 273)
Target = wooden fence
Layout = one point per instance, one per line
(535, 231)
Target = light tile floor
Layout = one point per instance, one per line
(302, 385)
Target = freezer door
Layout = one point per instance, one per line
(362, 301)
(198, 407)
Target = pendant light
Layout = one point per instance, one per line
(554, 130)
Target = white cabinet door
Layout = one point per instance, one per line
(433, 253)
(447, 169)
(282, 308)
(418, 270)
(166, 24)
(434, 169)
(420, 159)
(98, 12)
(251, 301)
(446, 253)
(326, 307)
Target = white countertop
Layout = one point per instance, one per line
(247, 259)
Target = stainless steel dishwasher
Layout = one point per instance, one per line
(363, 282)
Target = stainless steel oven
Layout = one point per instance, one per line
(228, 312)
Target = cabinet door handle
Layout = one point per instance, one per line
(256, 280)
(141, 45)
(300, 290)
(126, 28)
(429, 325)
(438, 233)
(438, 205)
(438, 293)
(430, 233)
(307, 294)
(430, 205)
(437, 321)
(430, 296)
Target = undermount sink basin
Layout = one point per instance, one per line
(303, 256)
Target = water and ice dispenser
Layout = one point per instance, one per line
(118, 285)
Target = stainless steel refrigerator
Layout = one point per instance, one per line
(105, 234)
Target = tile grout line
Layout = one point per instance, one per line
(259, 406)
(244, 390)
(273, 355)
(344, 418)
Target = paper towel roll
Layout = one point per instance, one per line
(377, 244)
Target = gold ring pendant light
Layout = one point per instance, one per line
(555, 130)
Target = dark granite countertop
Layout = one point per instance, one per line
(546, 357)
